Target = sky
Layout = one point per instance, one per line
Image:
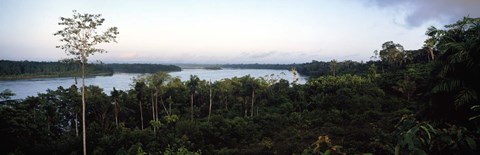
(227, 31)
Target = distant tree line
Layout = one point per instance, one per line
(31, 69)
(322, 68)
(257, 66)
(19, 69)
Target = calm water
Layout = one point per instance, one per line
(122, 81)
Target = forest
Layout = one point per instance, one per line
(32, 69)
(422, 101)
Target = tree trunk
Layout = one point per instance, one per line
(153, 114)
(210, 108)
(253, 101)
(170, 104)
(164, 107)
(141, 114)
(226, 103)
(116, 114)
(430, 50)
(245, 106)
(83, 109)
(76, 124)
(191, 106)
(153, 107)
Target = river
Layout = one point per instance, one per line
(122, 81)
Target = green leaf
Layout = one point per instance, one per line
(428, 133)
(327, 152)
(471, 143)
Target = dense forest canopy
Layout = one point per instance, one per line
(20, 69)
(27, 69)
(421, 101)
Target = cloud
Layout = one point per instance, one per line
(129, 55)
(421, 11)
(259, 55)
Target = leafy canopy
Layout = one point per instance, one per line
(80, 35)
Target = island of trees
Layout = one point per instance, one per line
(421, 101)
(31, 69)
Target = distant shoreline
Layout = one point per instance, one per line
(16, 70)
(21, 77)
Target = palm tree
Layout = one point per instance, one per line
(458, 63)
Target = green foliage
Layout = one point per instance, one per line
(457, 67)
(392, 53)
(80, 37)
(171, 118)
(31, 69)
(392, 106)
(156, 124)
(416, 137)
(318, 68)
(6, 94)
(180, 151)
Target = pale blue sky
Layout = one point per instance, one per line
(262, 31)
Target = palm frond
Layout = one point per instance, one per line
(448, 86)
(466, 96)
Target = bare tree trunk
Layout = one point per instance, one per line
(76, 124)
(253, 101)
(83, 108)
(430, 50)
(116, 114)
(141, 114)
(191, 106)
(245, 106)
(156, 107)
(170, 104)
(210, 108)
(153, 114)
(153, 108)
(164, 107)
(226, 103)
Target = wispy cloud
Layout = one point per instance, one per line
(259, 55)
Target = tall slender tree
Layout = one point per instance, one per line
(210, 99)
(140, 89)
(192, 85)
(115, 95)
(80, 37)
